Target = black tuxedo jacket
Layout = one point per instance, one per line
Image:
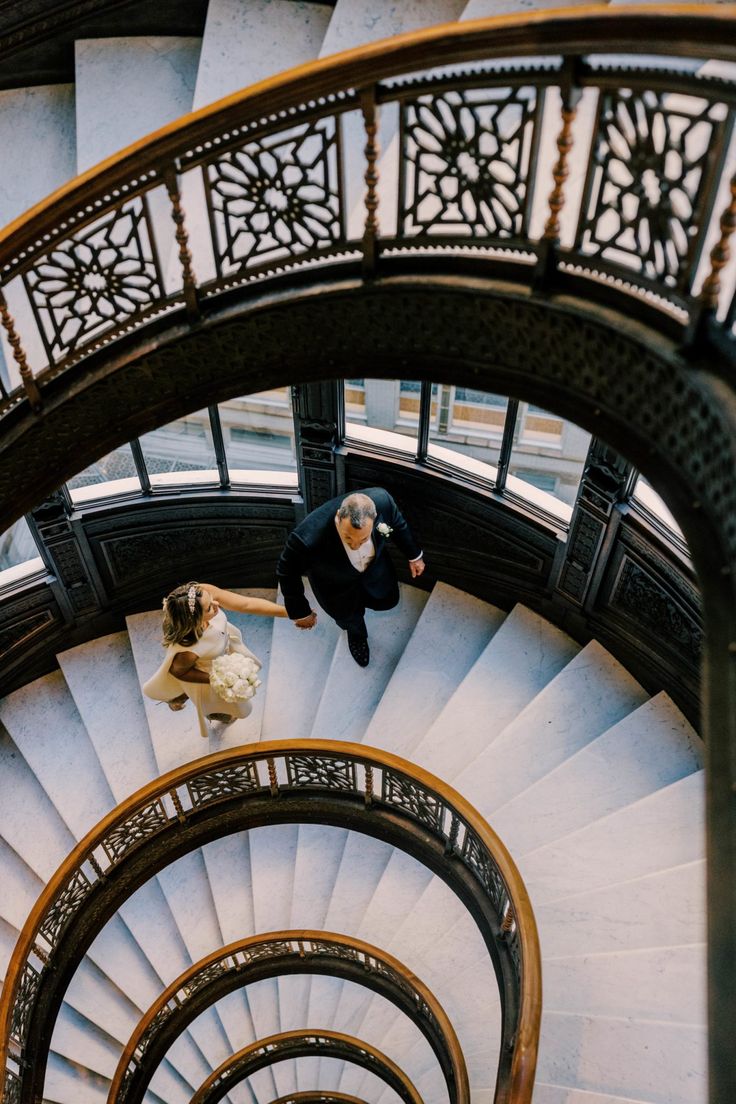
(314, 549)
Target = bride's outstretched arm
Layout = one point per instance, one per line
(243, 603)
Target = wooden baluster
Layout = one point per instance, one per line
(29, 383)
(272, 780)
(719, 255)
(368, 785)
(191, 295)
(560, 173)
(178, 807)
(371, 150)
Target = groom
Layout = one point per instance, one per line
(341, 547)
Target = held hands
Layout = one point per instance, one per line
(307, 622)
(416, 567)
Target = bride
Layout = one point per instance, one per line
(196, 631)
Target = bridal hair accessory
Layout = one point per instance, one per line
(384, 529)
(192, 598)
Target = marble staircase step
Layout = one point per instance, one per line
(610, 850)
(77, 1035)
(128, 87)
(588, 696)
(522, 657)
(103, 681)
(59, 752)
(353, 24)
(68, 1081)
(654, 983)
(646, 751)
(661, 1063)
(38, 124)
(300, 663)
(544, 1093)
(452, 631)
(246, 41)
(352, 693)
(657, 910)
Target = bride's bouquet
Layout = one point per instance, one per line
(234, 678)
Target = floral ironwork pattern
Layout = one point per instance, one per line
(24, 1005)
(482, 865)
(137, 828)
(64, 907)
(276, 197)
(215, 784)
(97, 279)
(646, 181)
(467, 157)
(12, 1088)
(314, 770)
(420, 803)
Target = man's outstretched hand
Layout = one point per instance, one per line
(416, 567)
(307, 622)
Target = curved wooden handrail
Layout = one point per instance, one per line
(273, 954)
(355, 777)
(329, 87)
(299, 1044)
(313, 1096)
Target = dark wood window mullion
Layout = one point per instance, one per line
(507, 443)
(140, 466)
(219, 445)
(425, 417)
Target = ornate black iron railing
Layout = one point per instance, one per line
(264, 956)
(269, 184)
(318, 780)
(304, 1044)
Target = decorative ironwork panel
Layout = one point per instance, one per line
(64, 907)
(163, 1014)
(317, 770)
(12, 1088)
(401, 792)
(206, 975)
(277, 948)
(217, 784)
(24, 1002)
(645, 191)
(467, 157)
(138, 827)
(96, 279)
(277, 197)
(480, 862)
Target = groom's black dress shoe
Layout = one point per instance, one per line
(359, 649)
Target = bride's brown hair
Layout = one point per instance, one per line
(183, 615)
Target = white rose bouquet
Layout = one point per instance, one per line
(234, 678)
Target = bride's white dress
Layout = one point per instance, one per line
(218, 638)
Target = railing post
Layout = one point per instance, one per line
(191, 295)
(29, 383)
(371, 150)
(550, 241)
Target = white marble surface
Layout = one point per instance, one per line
(352, 693)
(248, 40)
(654, 983)
(525, 653)
(658, 832)
(484, 9)
(300, 662)
(115, 719)
(91, 994)
(272, 857)
(661, 1063)
(363, 862)
(592, 693)
(20, 888)
(227, 862)
(319, 854)
(659, 910)
(560, 1094)
(45, 726)
(644, 752)
(354, 23)
(127, 88)
(64, 1083)
(37, 131)
(452, 631)
(74, 1034)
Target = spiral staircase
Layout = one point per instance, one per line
(595, 787)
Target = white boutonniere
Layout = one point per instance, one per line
(384, 529)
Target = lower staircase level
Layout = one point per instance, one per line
(595, 787)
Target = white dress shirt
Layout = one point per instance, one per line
(360, 557)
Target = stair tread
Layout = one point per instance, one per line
(522, 657)
(429, 671)
(38, 125)
(352, 693)
(351, 25)
(646, 751)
